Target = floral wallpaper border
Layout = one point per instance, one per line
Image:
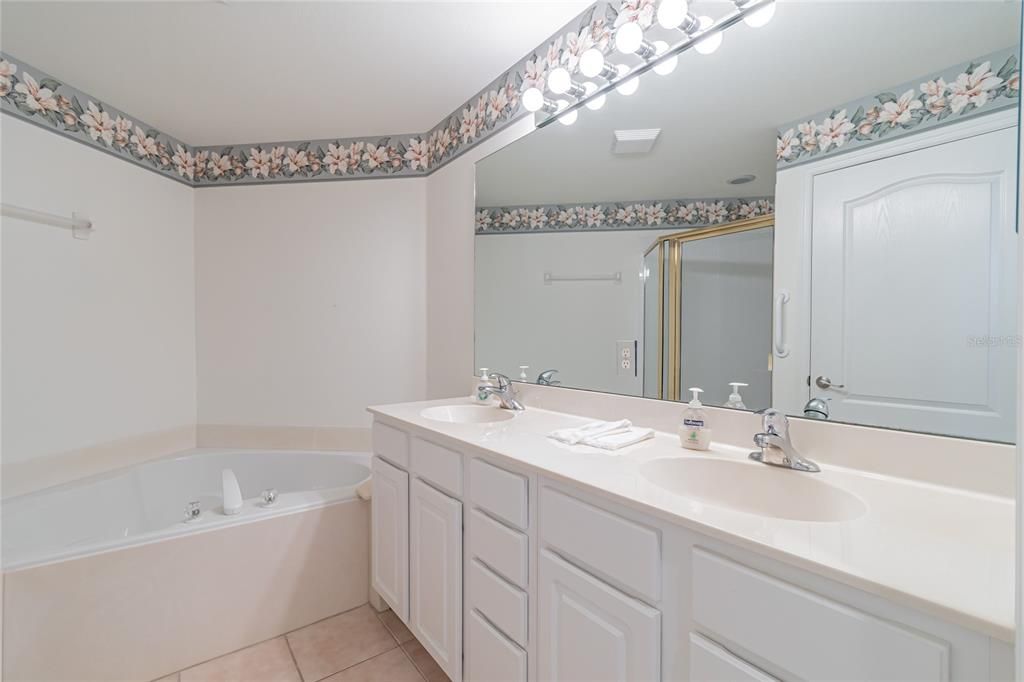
(627, 215)
(33, 95)
(987, 84)
(36, 96)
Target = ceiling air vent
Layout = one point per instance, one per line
(635, 141)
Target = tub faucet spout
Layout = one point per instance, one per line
(232, 493)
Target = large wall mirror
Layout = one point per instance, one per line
(818, 215)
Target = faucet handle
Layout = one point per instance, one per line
(503, 381)
(775, 422)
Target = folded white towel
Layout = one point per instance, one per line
(578, 434)
(616, 441)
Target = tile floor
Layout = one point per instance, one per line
(356, 646)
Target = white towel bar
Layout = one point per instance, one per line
(614, 277)
(80, 227)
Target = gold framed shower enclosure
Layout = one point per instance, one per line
(670, 252)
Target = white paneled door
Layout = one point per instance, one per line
(913, 313)
(591, 632)
(390, 550)
(435, 569)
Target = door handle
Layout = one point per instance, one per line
(779, 331)
(825, 382)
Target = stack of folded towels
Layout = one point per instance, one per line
(604, 435)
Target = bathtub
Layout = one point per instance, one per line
(146, 502)
(107, 571)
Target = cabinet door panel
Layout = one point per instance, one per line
(435, 570)
(490, 656)
(591, 632)
(390, 552)
(712, 663)
(806, 634)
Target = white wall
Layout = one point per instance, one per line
(450, 224)
(98, 335)
(569, 326)
(311, 301)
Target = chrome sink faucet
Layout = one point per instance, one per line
(505, 392)
(546, 378)
(776, 447)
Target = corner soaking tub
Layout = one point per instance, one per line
(107, 571)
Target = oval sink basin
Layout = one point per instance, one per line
(753, 488)
(467, 414)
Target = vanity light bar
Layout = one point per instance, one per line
(560, 82)
(534, 100)
(745, 9)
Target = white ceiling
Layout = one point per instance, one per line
(719, 113)
(235, 72)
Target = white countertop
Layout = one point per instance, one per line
(943, 551)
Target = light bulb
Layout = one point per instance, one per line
(669, 65)
(710, 42)
(597, 102)
(570, 118)
(627, 87)
(671, 13)
(533, 99)
(629, 38)
(760, 17)
(591, 62)
(559, 80)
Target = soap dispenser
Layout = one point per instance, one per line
(484, 380)
(694, 432)
(735, 399)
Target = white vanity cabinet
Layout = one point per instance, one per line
(389, 554)
(506, 576)
(589, 627)
(499, 577)
(417, 540)
(435, 574)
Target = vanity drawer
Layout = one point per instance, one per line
(437, 465)
(618, 550)
(504, 550)
(804, 633)
(391, 444)
(499, 601)
(712, 663)
(490, 656)
(502, 493)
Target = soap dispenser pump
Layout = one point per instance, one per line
(484, 380)
(735, 399)
(694, 432)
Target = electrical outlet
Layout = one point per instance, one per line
(625, 357)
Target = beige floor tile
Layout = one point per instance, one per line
(169, 678)
(395, 625)
(267, 662)
(339, 642)
(423, 661)
(393, 666)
